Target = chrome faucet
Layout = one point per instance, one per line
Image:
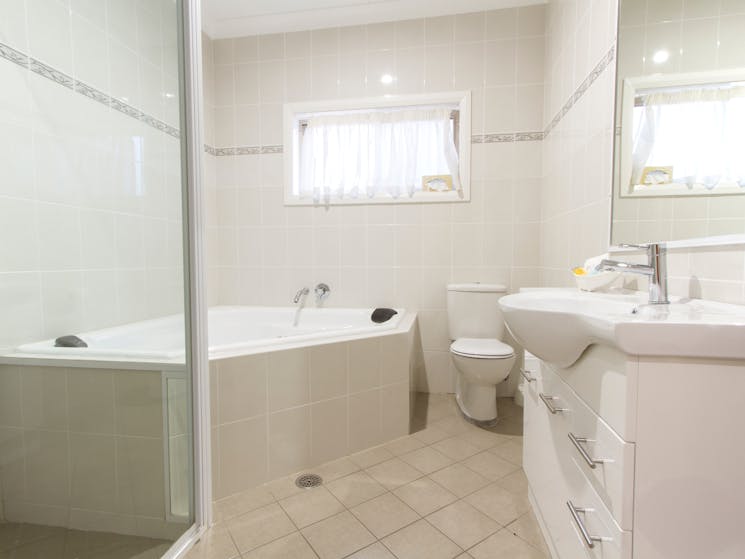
(655, 269)
(300, 294)
(322, 291)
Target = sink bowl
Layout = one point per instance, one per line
(557, 325)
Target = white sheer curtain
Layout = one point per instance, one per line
(700, 132)
(375, 153)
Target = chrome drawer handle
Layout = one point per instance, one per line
(526, 375)
(589, 540)
(547, 400)
(577, 442)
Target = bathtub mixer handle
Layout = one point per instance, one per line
(322, 291)
(301, 293)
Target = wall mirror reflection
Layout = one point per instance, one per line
(679, 172)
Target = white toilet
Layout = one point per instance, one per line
(481, 359)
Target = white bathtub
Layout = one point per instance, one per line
(232, 331)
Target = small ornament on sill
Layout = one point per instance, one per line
(437, 183)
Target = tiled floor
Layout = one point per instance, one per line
(449, 490)
(30, 541)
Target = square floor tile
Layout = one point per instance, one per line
(258, 527)
(430, 435)
(453, 425)
(403, 445)
(483, 438)
(385, 514)
(283, 487)
(424, 495)
(511, 451)
(355, 488)
(504, 545)
(459, 480)
(499, 504)
(375, 551)
(311, 506)
(490, 465)
(392, 473)
(293, 546)
(216, 543)
(456, 448)
(463, 524)
(240, 503)
(336, 469)
(370, 457)
(427, 459)
(338, 536)
(516, 483)
(421, 541)
(527, 528)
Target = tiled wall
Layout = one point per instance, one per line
(577, 152)
(283, 411)
(90, 208)
(699, 35)
(83, 448)
(575, 220)
(383, 255)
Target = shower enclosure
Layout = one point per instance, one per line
(99, 159)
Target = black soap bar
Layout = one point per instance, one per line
(382, 315)
(69, 341)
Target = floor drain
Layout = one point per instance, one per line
(306, 481)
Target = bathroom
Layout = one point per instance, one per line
(204, 354)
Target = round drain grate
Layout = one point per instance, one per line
(307, 481)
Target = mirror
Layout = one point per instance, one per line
(679, 157)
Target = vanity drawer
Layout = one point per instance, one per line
(605, 459)
(586, 516)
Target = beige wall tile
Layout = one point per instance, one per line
(90, 395)
(139, 403)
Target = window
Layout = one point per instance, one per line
(393, 150)
(686, 138)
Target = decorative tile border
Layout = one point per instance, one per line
(476, 139)
(242, 150)
(60, 78)
(582, 89)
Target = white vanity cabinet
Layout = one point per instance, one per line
(650, 454)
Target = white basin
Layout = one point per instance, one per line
(557, 325)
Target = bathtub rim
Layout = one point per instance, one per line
(116, 362)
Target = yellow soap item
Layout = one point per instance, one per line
(579, 271)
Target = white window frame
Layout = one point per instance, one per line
(630, 87)
(293, 114)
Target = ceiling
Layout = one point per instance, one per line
(236, 18)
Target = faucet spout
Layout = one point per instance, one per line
(300, 294)
(655, 269)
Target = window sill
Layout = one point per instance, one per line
(418, 198)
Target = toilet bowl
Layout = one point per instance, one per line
(481, 359)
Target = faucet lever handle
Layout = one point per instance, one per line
(627, 245)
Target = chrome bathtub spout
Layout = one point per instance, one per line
(655, 270)
(300, 294)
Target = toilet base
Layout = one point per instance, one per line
(477, 402)
(483, 423)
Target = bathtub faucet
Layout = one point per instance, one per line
(322, 291)
(301, 293)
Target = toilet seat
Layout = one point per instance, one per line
(482, 348)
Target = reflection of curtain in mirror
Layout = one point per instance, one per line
(700, 132)
(365, 154)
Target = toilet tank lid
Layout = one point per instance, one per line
(478, 287)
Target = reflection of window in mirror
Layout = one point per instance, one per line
(678, 161)
(685, 138)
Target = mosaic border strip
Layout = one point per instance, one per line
(582, 89)
(476, 139)
(60, 78)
